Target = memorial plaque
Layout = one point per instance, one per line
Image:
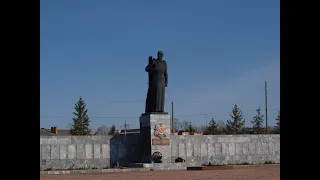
(161, 142)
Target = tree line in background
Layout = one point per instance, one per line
(235, 125)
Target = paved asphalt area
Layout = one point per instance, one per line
(263, 172)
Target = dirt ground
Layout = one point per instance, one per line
(264, 172)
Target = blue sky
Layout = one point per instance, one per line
(219, 53)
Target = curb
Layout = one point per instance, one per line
(255, 165)
(135, 169)
(93, 171)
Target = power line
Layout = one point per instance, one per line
(135, 117)
(168, 102)
(204, 114)
(131, 101)
(91, 117)
(125, 127)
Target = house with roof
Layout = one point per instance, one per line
(53, 131)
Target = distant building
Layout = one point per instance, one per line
(46, 132)
(182, 132)
(53, 131)
(129, 132)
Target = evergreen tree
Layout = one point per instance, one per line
(112, 130)
(277, 127)
(189, 128)
(257, 122)
(213, 127)
(221, 127)
(236, 124)
(81, 120)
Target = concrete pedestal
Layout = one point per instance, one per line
(155, 136)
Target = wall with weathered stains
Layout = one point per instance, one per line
(74, 152)
(227, 149)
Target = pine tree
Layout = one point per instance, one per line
(81, 120)
(257, 122)
(213, 127)
(221, 127)
(277, 127)
(112, 130)
(189, 128)
(236, 124)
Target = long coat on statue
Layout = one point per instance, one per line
(158, 81)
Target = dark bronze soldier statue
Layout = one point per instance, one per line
(158, 81)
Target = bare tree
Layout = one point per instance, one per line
(102, 130)
(203, 128)
(185, 124)
(177, 124)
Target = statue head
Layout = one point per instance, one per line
(160, 55)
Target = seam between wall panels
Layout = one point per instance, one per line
(200, 153)
(101, 153)
(76, 149)
(92, 151)
(84, 152)
(50, 149)
(40, 152)
(208, 156)
(59, 151)
(67, 152)
(171, 150)
(193, 149)
(185, 150)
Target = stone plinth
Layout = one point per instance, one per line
(155, 136)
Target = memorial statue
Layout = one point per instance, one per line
(158, 81)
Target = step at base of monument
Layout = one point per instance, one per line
(202, 168)
(137, 165)
(163, 166)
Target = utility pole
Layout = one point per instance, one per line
(172, 119)
(206, 116)
(125, 127)
(266, 103)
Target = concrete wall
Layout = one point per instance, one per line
(72, 152)
(227, 149)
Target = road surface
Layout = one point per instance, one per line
(263, 172)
